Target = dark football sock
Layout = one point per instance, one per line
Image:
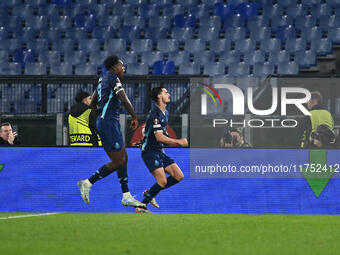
(123, 178)
(170, 182)
(153, 191)
(100, 174)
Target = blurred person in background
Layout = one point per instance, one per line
(7, 136)
(233, 137)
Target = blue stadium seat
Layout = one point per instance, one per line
(199, 11)
(35, 3)
(77, 57)
(167, 45)
(260, 34)
(187, 2)
(244, 45)
(185, 20)
(148, 10)
(23, 56)
(210, 2)
(274, 11)
(305, 59)
(273, 44)
(284, 20)
(141, 45)
(86, 69)
(329, 22)
(253, 57)
(285, 32)
(247, 9)
(211, 21)
(128, 57)
(138, 69)
(51, 34)
(179, 57)
(101, 10)
(294, 45)
(72, 10)
(258, 22)
(291, 67)
(310, 3)
(24, 11)
(112, 21)
(223, 10)
(322, 46)
(115, 45)
(182, 34)
(150, 57)
(236, 20)
(334, 35)
(203, 57)
(12, 23)
(129, 33)
(321, 10)
(3, 33)
(27, 34)
(62, 2)
(38, 45)
(4, 56)
(76, 33)
(295, 10)
(220, 45)
(208, 33)
(214, 69)
(172, 9)
(193, 45)
(89, 45)
(99, 57)
(160, 21)
(235, 33)
(62, 22)
(161, 2)
(35, 68)
(311, 33)
(136, 2)
(10, 68)
(87, 21)
(303, 22)
(12, 2)
(286, 2)
(279, 56)
(238, 69)
(134, 21)
(61, 69)
(50, 57)
(155, 33)
(163, 67)
(103, 33)
(189, 68)
(230, 57)
(10, 44)
(263, 69)
(49, 10)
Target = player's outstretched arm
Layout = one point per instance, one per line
(94, 100)
(160, 137)
(128, 106)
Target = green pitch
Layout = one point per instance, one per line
(175, 234)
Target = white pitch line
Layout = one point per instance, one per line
(26, 215)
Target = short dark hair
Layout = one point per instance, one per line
(111, 61)
(155, 92)
(316, 95)
(4, 124)
(81, 95)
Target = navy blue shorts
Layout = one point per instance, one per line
(156, 159)
(110, 134)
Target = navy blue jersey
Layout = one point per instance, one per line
(108, 101)
(156, 122)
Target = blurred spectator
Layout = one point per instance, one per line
(233, 138)
(7, 136)
(323, 137)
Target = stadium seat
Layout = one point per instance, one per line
(260, 34)
(24, 11)
(71, 10)
(211, 21)
(112, 21)
(303, 22)
(273, 44)
(76, 33)
(35, 3)
(61, 69)
(135, 2)
(3, 33)
(235, 33)
(247, 9)
(4, 56)
(62, 22)
(187, 2)
(88, 21)
(134, 21)
(203, 57)
(319, 10)
(141, 45)
(285, 32)
(305, 59)
(220, 45)
(160, 22)
(199, 11)
(334, 35)
(163, 67)
(284, 20)
(236, 20)
(103, 33)
(51, 34)
(86, 69)
(253, 57)
(294, 45)
(64, 45)
(129, 33)
(258, 22)
(179, 57)
(38, 45)
(329, 22)
(128, 57)
(115, 45)
(77, 57)
(288, 68)
(148, 10)
(27, 34)
(286, 2)
(184, 20)
(230, 57)
(194, 45)
(274, 11)
(208, 34)
(223, 10)
(170, 10)
(238, 69)
(35, 68)
(150, 57)
(50, 57)
(161, 2)
(310, 3)
(279, 56)
(167, 45)
(23, 56)
(101, 10)
(312, 33)
(12, 68)
(214, 69)
(138, 69)
(189, 68)
(10, 44)
(322, 46)
(89, 45)
(244, 45)
(295, 10)
(99, 57)
(12, 22)
(263, 69)
(182, 34)
(155, 33)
